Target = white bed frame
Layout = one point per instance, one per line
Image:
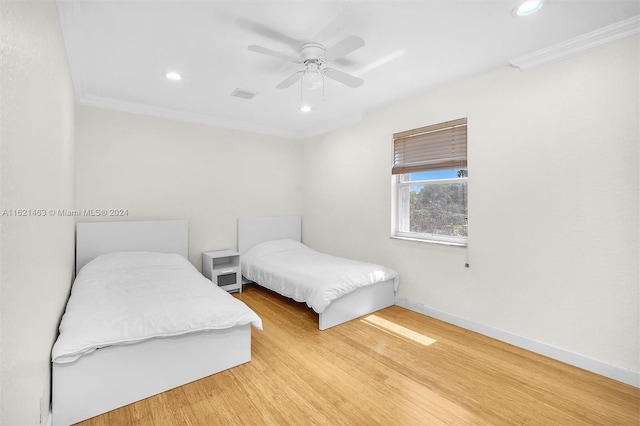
(363, 301)
(116, 376)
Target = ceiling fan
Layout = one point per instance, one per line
(314, 57)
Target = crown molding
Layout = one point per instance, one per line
(208, 120)
(577, 45)
(152, 111)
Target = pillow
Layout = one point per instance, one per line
(133, 259)
(270, 247)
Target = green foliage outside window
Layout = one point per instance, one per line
(440, 209)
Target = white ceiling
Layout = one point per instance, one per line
(119, 50)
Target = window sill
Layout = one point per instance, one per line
(420, 240)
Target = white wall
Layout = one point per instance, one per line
(553, 207)
(164, 169)
(36, 172)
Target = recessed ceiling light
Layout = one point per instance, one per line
(305, 108)
(528, 7)
(172, 75)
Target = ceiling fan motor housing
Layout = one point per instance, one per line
(311, 51)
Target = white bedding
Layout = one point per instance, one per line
(128, 297)
(294, 270)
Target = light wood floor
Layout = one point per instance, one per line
(395, 368)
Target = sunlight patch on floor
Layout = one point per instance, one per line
(398, 330)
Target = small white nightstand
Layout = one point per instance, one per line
(222, 267)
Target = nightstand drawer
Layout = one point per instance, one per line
(227, 279)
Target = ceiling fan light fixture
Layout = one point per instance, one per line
(311, 99)
(314, 57)
(311, 87)
(312, 78)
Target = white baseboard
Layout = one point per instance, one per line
(607, 370)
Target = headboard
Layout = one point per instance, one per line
(96, 238)
(258, 229)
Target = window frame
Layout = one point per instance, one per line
(398, 186)
(400, 207)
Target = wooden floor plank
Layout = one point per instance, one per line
(397, 367)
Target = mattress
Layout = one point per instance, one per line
(128, 297)
(294, 270)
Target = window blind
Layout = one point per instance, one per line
(437, 147)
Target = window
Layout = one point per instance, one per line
(430, 183)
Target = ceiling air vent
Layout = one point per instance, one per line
(244, 94)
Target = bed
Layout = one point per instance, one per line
(339, 290)
(162, 341)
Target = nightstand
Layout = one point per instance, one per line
(222, 267)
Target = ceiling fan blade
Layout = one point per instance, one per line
(289, 81)
(343, 77)
(269, 52)
(265, 31)
(329, 29)
(343, 48)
